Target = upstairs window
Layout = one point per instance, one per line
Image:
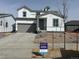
(55, 23)
(24, 14)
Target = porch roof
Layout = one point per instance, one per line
(28, 18)
(57, 14)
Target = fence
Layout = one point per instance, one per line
(67, 40)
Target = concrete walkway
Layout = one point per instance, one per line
(17, 46)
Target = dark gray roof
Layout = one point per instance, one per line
(46, 12)
(30, 9)
(73, 22)
(3, 15)
(25, 8)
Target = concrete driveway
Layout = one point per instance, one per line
(17, 46)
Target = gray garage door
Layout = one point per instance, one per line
(26, 27)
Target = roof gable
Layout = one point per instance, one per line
(53, 13)
(24, 8)
(45, 12)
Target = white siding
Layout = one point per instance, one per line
(50, 26)
(10, 21)
(29, 14)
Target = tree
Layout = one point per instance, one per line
(62, 6)
(65, 15)
(65, 9)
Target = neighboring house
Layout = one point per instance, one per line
(72, 26)
(7, 23)
(29, 20)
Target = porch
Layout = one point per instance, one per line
(42, 25)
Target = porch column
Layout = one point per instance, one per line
(16, 26)
(37, 17)
(38, 24)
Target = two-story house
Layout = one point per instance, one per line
(29, 20)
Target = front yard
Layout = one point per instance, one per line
(56, 41)
(57, 37)
(4, 34)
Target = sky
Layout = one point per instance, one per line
(11, 6)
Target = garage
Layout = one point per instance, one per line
(26, 27)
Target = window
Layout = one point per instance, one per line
(24, 14)
(1, 23)
(55, 22)
(6, 24)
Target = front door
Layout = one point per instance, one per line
(42, 24)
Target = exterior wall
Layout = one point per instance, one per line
(50, 26)
(29, 14)
(10, 21)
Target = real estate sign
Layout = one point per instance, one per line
(43, 48)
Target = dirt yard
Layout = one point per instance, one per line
(4, 34)
(57, 40)
(58, 37)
